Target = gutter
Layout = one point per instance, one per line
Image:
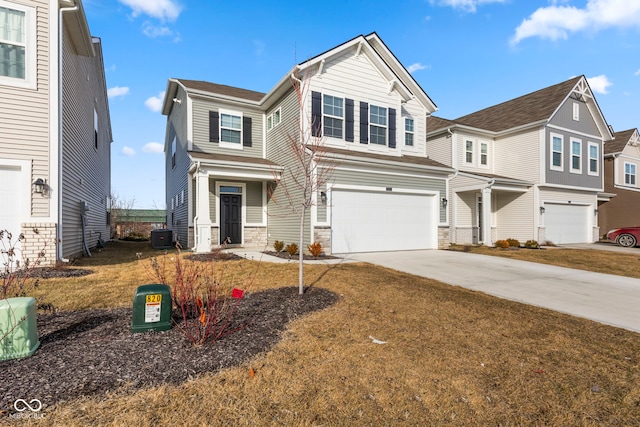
(195, 217)
(59, 239)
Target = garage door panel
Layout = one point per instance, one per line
(566, 223)
(369, 221)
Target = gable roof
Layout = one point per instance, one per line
(435, 123)
(621, 140)
(533, 107)
(230, 91)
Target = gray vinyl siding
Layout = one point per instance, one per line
(565, 177)
(177, 176)
(85, 169)
(24, 115)
(376, 179)
(201, 108)
(564, 118)
(254, 202)
(282, 223)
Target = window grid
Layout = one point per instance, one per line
(593, 158)
(333, 109)
(629, 174)
(13, 46)
(576, 155)
(484, 153)
(556, 152)
(378, 125)
(468, 151)
(230, 128)
(408, 131)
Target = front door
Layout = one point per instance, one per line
(231, 219)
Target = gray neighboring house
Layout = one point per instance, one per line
(226, 150)
(55, 130)
(529, 168)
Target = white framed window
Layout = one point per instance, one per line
(182, 197)
(484, 154)
(377, 125)
(172, 206)
(629, 174)
(17, 45)
(468, 151)
(274, 119)
(556, 152)
(332, 116)
(408, 131)
(594, 158)
(576, 156)
(230, 129)
(95, 128)
(576, 111)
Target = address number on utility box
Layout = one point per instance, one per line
(154, 298)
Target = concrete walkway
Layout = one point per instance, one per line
(613, 300)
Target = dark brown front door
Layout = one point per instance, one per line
(231, 218)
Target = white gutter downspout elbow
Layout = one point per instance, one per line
(60, 128)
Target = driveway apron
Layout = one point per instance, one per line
(605, 298)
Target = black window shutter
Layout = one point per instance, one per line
(214, 126)
(316, 114)
(364, 123)
(392, 128)
(348, 129)
(246, 131)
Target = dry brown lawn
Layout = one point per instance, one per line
(452, 356)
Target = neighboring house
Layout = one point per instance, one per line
(137, 221)
(55, 130)
(621, 168)
(226, 150)
(529, 168)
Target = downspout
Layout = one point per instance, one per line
(60, 126)
(196, 217)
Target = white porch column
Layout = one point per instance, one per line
(202, 232)
(486, 216)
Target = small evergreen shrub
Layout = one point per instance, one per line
(291, 249)
(503, 244)
(513, 243)
(531, 244)
(315, 249)
(278, 245)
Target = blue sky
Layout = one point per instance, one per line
(466, 54)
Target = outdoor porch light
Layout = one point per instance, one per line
(445, 202)
(595, 211)
(541, 209)
(39, 186)
(323, 197)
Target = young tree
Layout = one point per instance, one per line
(308, 167)
(120, 213)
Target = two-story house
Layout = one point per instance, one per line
(227, 154)
(55, 131)
(621, 167)
(528, 168)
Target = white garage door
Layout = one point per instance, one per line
(370, 221)
(10, 203)
(566, 223)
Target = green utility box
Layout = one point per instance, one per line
(18, 323)
(151, 309)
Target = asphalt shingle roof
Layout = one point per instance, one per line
(235, 92)
(621, 139)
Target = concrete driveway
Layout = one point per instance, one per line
(613, 300)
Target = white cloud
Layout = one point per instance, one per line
(154, 31)
(165, 10)
(153, 147)
(599, 84)
(464, 5)
(117, 91)
(557, 22)
(637, 73)
(128, 151)
(155, 102)
(416, 67)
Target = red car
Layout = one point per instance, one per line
(627, 237)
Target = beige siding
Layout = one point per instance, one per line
(201, 108)
(24, 114)
(86, 169)
(518, 156)
(513, 215)
(439, 149)
(253, 199)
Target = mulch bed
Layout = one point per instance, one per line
(285, 255)
(94, 352)
(214, 256)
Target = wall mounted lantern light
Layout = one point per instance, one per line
(323, 197)
(445, 202)
(542, 209)
(40, 186)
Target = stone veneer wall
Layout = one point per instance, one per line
(40, 238)
(444, 239)
(322, 235)
(255, 236)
